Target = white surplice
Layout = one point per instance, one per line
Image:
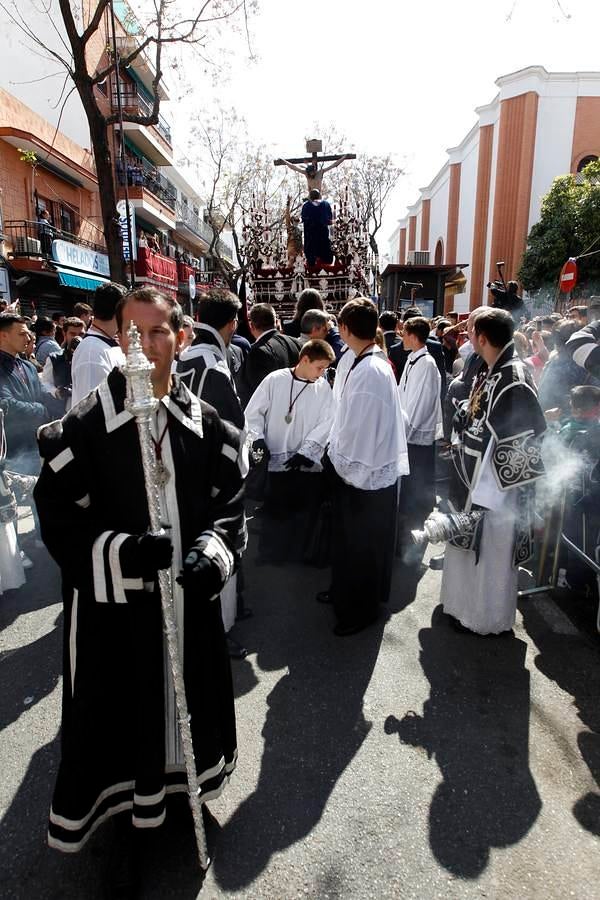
(483, 595)
(367, 444)
(311, 416)
(419, 392)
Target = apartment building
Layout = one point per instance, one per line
(52, 251)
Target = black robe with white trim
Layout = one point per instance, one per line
(119, 739)
(507, 420)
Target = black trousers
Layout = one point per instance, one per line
(417, 490)
(362, 551)
(292, 502)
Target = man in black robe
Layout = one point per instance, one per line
(270, 350)
(121, 750)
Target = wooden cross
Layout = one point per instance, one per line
(312, 172)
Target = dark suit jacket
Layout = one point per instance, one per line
(26, 406)
(399, 355)
(391, 339)
(271, 351)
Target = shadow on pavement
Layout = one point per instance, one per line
(29, 868)
(476, 725)
(314, 725)
(29, 674)
(572, 662)
(405, 583)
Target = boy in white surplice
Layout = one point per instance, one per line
(289, 416)
(419, 391)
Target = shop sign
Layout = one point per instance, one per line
(192, 286)
(82, 258)
(122, 213)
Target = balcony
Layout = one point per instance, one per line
(148, 190)
(33, 239)
(144, 64)
(224, 251)
(192, 227)
(154, 269)
(41, 248)
(155, 141)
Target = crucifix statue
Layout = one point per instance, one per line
(315, 166)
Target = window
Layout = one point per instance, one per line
(439, 253)
(68, 218)
(41, 204)
(586, 161)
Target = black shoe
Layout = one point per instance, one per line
(324, 597)
(346, 629)
(236, 651)
(122, 880)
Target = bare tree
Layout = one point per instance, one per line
(162, 24)
(239, 176)
(372, 180)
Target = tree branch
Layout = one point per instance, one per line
(94, 22)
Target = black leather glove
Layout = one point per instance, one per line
(298, 461)
(259, 453)
(154, 552)
(200, 574)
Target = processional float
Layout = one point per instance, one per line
(276, 275)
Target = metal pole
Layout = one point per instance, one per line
(122, 146)
(142, 403)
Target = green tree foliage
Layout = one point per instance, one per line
(569, 226)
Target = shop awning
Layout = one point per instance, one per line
(80, 280)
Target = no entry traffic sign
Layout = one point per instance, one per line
(568, 276)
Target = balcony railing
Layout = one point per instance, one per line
(224, 250)
(133, 99)
(141, 174)
(35, 238)
(189, 218)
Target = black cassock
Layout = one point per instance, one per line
(119, 739)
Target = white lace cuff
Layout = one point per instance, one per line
(314, 451)
(361, 476)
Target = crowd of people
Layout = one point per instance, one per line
(328, 431)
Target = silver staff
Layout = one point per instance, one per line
(142, 403)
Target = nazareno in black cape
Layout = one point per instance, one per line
(119, 741)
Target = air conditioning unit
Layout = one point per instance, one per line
(25, 245)
(417, 258)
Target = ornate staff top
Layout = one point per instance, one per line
(140, 401)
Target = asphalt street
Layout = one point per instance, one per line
(409, 761)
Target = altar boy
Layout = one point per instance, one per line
(289, 417)
(419, 390)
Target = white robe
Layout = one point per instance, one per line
(92, 361)
(483, 596)
(12, 575)
(367, 444)
(312, 413)
(419, 392)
